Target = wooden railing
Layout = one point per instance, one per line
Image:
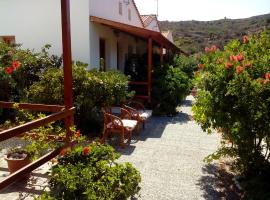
(61, 113)
(141, 83)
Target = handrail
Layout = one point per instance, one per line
(34, 107)
(4, 135)
(32, 166)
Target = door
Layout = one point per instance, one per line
(102, 54)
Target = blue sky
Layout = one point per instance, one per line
(203, 10)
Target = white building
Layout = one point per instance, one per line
(109, 30)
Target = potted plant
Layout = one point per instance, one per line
(17, 158)
(37, 142)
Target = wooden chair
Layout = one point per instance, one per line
(138, 112)
(114, 124)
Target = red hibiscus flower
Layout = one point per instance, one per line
(267, 76)
(86, 151)
(239, 69)
(228, 65)
(78, 134)
(9, 70)
(245, 39)
(201, 66)
(16, 64)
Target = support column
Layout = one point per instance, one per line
(150, 63)
(67, 62)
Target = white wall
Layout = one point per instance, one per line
(38, 22)
(109, 9)
(98, 31)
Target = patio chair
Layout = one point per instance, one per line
(114, 124)
(138, 112)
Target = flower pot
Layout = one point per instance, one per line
(17, 161)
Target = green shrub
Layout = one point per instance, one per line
(92, 173)
(91, 90)
(20, 68)
(234, 97)
(170, 87)
(186, 64)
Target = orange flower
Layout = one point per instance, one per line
(240, 57)
(267, 76)
(248, 65)
(219, 61)
(239, 69)
(233, 58)
(213, 48)
(78, 134)
(245, 39)
(86, 151)
(206, 49)
(266, 81)
(228, 65)
(63, 152)
(16, 64)
(201, 66)
(9, 70)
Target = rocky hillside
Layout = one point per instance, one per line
(193, 36)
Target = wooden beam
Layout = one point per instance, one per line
(6, 134)
(150, 63)
(33, 107)
(67, 60)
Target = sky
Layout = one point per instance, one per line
(203, 10)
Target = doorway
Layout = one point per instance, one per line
(102, 54)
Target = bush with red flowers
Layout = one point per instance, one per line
(19, 69)
(92, 172)
(234, 97)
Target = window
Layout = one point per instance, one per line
(10, 40)
(129, 14)
(120, 8)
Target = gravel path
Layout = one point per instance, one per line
(169, 154)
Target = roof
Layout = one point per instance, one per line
(138, 32)
(147, 19)
(137, 11)
(166, 33)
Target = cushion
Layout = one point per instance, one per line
(131, 124)
(145, 114)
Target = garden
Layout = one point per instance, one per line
(37, 77)
(232, 98)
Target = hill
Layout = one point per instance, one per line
(193, 36)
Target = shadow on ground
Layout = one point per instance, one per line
(154, 128)
(217, 183)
